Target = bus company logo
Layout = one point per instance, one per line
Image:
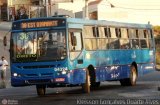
(4, 101)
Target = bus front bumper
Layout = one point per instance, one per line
(17, 81)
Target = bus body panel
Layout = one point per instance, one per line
(109, 65)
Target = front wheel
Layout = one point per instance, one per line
(131, 81)
(41, 90)
(87, 84)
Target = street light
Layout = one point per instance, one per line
(86, 9)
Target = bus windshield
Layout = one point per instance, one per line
(38, 45)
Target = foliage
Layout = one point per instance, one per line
(157, 41)
(156, 29)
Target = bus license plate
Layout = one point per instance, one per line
(59, 79)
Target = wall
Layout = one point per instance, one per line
(68, 8)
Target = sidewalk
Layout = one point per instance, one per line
(5, 25)
(4, 29)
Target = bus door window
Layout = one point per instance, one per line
(75, 41)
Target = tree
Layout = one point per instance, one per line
(156, 30)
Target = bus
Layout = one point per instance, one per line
(61, 51)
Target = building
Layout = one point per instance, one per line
(92, 9)
(3, 9)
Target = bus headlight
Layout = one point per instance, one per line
(15, 74)
(64, 72)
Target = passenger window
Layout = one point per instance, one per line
(143, 43)
(95, 31)
(118, 32)
(107, 32)
(124, 41)
(132, 33)
(88, 32)
(101, 32)
(141, 33)
(137, 33)
(114, 44)
(135, 43)
(103, 44)
(90, 44)
(113, 33)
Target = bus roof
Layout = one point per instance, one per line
(107, 23)
(89, 22)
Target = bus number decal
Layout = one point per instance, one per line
(23, 36)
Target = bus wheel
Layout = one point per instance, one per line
(133, 76)
(95, 84)
(41, 90)
(131, 81)
(87, 84)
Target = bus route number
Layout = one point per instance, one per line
(23, 36)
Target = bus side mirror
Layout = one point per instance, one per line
(5, 41)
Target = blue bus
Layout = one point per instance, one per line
(61, 51)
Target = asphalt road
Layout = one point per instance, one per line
(145, 90)
(74, 95)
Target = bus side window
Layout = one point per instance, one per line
(118, 32)
(151, 43)
(114, 42)
(95, 31)
(124, 41)
(143, 38)
(133, 38)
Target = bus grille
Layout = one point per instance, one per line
(41, 81)
(40, 75)
(36, 67)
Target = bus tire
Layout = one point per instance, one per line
(92, 74)
(95, 84)
(131, 81)
(41, 90)
(87, 84)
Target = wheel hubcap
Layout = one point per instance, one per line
(134, 75)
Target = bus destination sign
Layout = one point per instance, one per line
(38, 24)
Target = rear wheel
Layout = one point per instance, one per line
(131, 81)
(41, 90)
